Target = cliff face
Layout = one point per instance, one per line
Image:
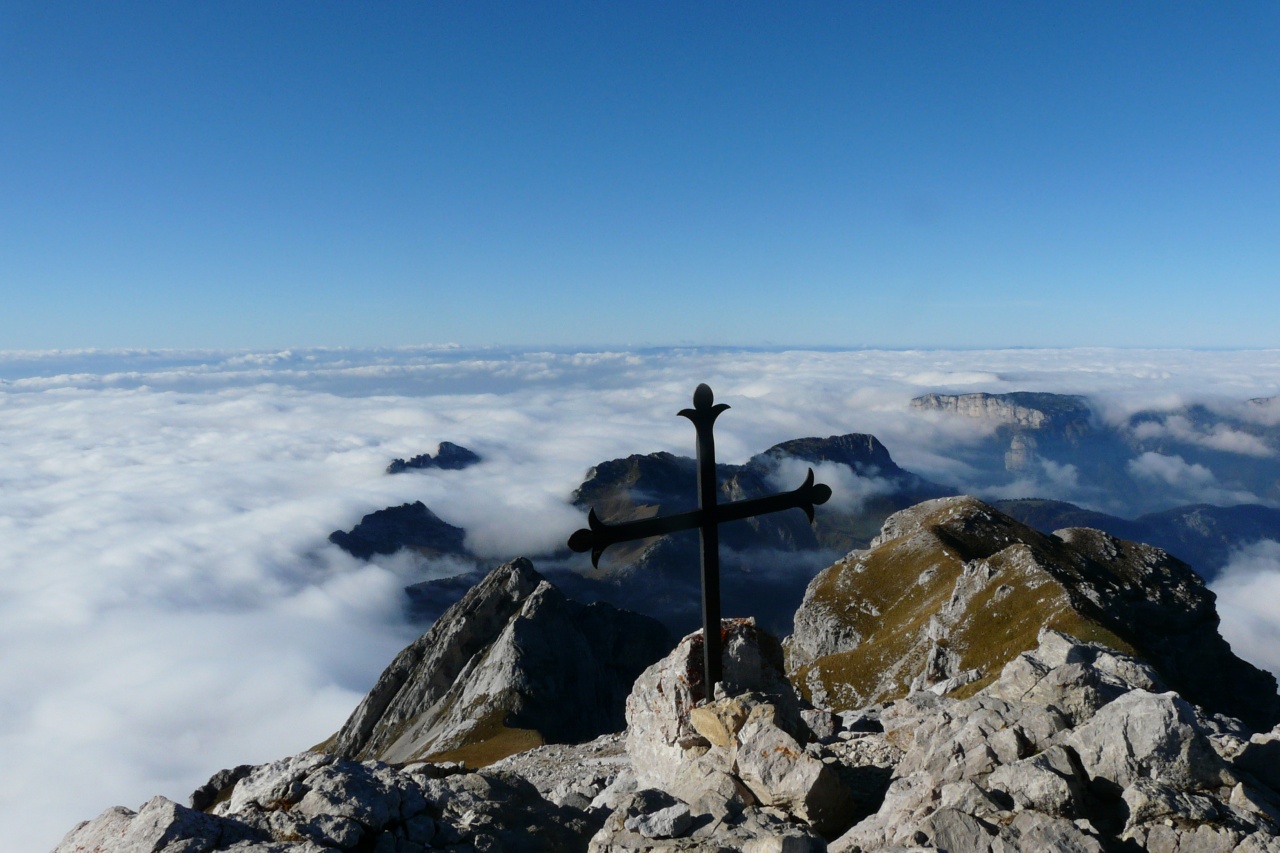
(512, 665)
(952, 590)
(1067, 414)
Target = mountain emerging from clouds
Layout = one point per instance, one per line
(660, 576)
(1137, 462)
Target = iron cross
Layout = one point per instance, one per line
(707, 518)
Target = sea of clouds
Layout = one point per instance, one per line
(170, 605)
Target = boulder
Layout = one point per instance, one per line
(781, 773)
(667, 750)
(749, 746)
(1151, 735)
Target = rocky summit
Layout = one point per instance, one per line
(966, 685)
(952, 590)
(511, 665)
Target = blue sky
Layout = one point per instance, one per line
(248, 174)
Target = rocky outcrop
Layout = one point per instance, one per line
(449, 457)
(511, 665)
(1075, 747)
(313, 803)
(741, 769)
(952, 590)
(412, 526)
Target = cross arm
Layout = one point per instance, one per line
(806, 497)
(599, 535)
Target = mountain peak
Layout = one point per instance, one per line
(953, 589)
(496, 672)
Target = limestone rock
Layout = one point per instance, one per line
(576, 774)
(1261, 757)
(1028, 410)
(669, 822)
(1151, 735)
(719, 722)
(748, 747)
(219, 783)
(494, 674)
(160, 825)
(780, 772)
(1002, 771)
(666, 749)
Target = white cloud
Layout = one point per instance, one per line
(1171, 470)
(849, 491)
(1218, 437)
(1248, 593)
(1195, 482)
(167, 596)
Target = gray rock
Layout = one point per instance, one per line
(160, 825)
(781, 773)
(1031, 832)
(279, 784)
(1261, 757)
(501, 666)
(364, 793)
(1050, 782)
(1151, 801)
(666, 749)
(219, 784)
(957, 832)
(669, 822)
(1252, 799)
(1142, 734)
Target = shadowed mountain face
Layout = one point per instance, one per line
(449, 457)
(662, 484)
(410, 526)
(1201, 535)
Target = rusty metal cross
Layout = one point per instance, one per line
(707, 518)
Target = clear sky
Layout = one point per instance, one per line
(256, 174)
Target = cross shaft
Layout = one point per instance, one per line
(707, 518)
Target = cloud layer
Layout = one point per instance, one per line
(169, 604)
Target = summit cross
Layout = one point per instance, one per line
(707, 518)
